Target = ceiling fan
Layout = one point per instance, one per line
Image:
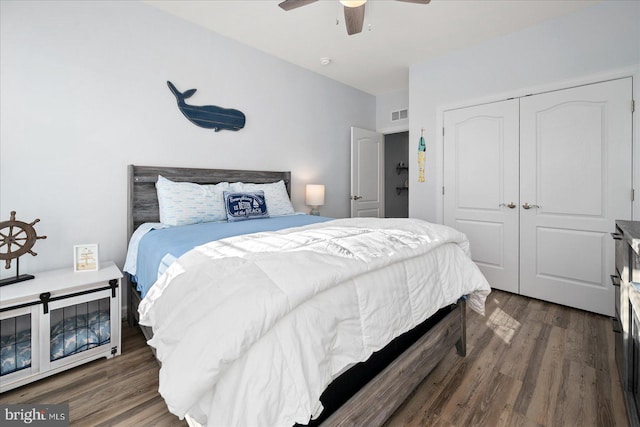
(353, 11)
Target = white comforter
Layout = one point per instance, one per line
(251, 329)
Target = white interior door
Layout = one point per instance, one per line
(575, 174)
(481, 183)
(367, 173)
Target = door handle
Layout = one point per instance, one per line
(528, 206)
(511, 205)
(615, 324)
(356, 197)
(615, 280)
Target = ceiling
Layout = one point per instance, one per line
(395, 34)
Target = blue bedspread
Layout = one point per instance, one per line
(159, 247)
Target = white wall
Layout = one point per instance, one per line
(84, 94)
(598, 40)
(385, 104)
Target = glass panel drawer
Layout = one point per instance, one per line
(79, 327)
(15, 343)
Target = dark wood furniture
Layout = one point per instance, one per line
(371, 391)
(627, 310)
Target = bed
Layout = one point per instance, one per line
(362, 392)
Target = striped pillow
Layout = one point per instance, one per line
(183, 203)
(275, 194)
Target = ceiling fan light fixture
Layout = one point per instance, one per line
(353, 3)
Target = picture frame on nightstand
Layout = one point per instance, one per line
(85, 257)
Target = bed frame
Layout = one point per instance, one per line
(370, 392)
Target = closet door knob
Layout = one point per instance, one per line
(511, 205)
(528, 206)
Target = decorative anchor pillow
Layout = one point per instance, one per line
(243, 206)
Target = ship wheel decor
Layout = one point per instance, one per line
(16, 239)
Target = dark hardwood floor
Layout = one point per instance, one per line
(528, 363)
(122, 391)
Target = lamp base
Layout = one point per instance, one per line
(314, 211)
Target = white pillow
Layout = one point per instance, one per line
(235, 187)
(275, 194)
(183, 203)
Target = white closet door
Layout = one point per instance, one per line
(481, 186)
(575, 173)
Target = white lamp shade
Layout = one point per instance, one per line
(353, 3)
(314, 195)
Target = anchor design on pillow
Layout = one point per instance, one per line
(208, 116)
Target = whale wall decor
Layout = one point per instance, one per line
(208, 116)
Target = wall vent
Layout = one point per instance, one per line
(399, 115)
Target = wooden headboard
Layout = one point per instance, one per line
(143, 200)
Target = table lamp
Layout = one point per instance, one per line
(314, 197)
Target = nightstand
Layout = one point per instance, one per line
(56, 321)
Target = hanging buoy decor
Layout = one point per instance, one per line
(422, 156)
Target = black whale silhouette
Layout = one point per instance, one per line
(208, 116)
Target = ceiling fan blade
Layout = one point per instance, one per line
(354, 19)
(294, 4)
(416, 1)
